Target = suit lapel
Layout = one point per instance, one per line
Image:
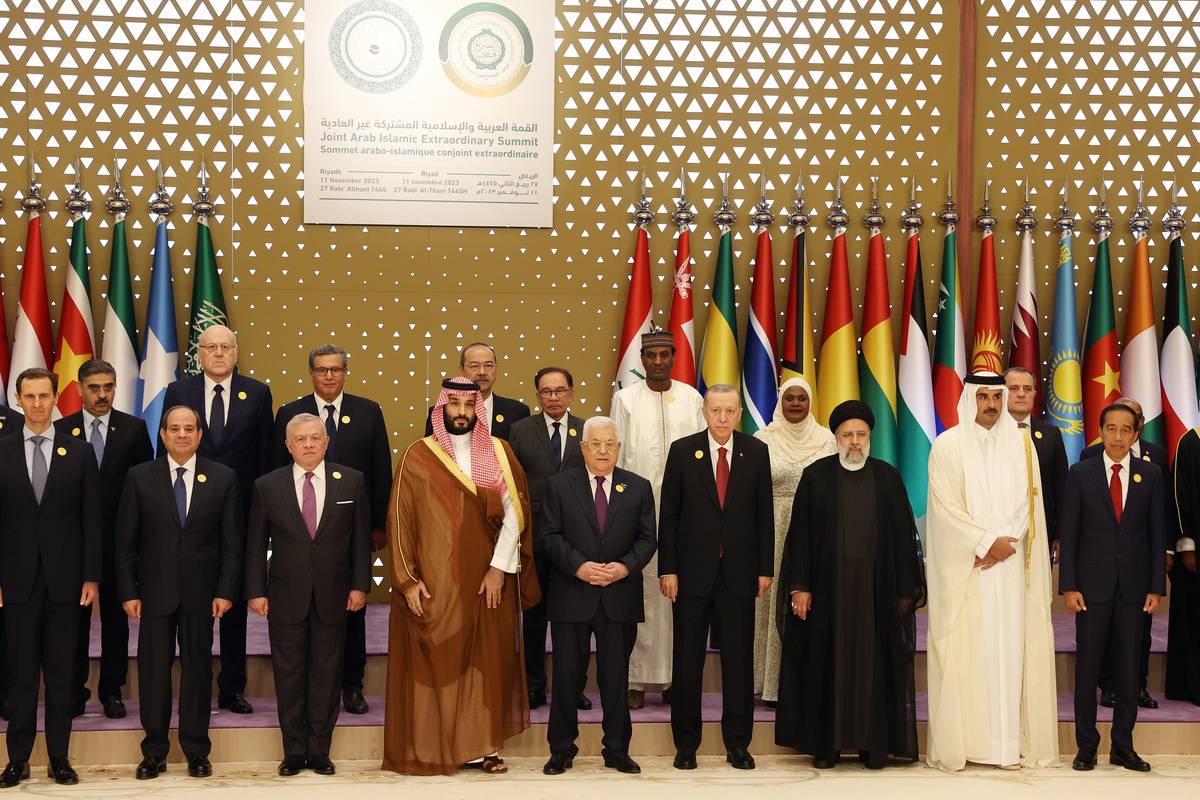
(166, 483)
(288, 491)
(583, 488)
(1102, 478)
(572, 457)
(616, 500)
(199, 490)
(737, 466)
(333, 487)
(708, 475)
(1136, 483)
(19, 446)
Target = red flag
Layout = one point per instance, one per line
(637, 315)
(31, 335)
(985, 352)
(75, 331)
(3, 352)
(680, 323)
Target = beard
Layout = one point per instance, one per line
(457, 429)
(853, 459)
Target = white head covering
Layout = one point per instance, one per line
(994, 461)
(797, 442)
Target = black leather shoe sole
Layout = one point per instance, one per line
(149, 770)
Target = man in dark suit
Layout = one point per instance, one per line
(1047, 441)
(179, 566)
(716, 555)
(358, 438)
(11, 423)
(120, 441)
(1113, 574)
(1157, 455)
(478, 362)
(50, 543)
(545, 444)
(314, 518)
(236, 412)
(598, 535)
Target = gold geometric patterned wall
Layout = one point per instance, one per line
(789, 90)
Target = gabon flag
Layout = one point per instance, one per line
(838, 378)
(1101, 370)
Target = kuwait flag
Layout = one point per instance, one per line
(1024, 343)
(680, 324)
(760, 381)
(208, 301)
(877, 365)
(719, 353)
(160, 353)
(31, 335)
(1101, 372)
(76, 333)
(1177, 370)
(949, 345)
(120, 328)
(985, 351)
(637, 314)
(1139, 359)
(915, 418)
(839, 373)
(797, 355)
(1064, 395)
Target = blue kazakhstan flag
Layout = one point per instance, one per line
(1064, 391)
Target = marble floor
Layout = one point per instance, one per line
(783, 777)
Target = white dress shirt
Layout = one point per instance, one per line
(318, 482)
(88, 419)
(337, 408)
(1123, 475)
(713, 445)
(562, 431)
(506, 556)
(47, 449)
(608, 479)
(488, 402)
(188, 477)
(209, 394)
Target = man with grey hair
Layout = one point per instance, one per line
(312, 517)
(598, 534)
(235, 412)
(358, 438)
(716, 536)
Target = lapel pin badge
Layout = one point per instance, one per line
(620, 487)
(345, 419)
(571, 432)
(201, 477)
(241, 395)
(1145, 457)
(699, 454)
(499, 418)
(62, 451)
(75, 431)
(337, 476)
(1037, 434)
(1137, 478)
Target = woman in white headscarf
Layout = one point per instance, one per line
(795, 440)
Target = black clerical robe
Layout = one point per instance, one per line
(1183, 633)
(846, 681)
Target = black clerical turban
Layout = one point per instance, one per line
(851, 409)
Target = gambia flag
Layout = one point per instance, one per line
(877, 364)
(839, 350)
(1101, 372)
(760, 378)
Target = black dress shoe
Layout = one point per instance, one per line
(235, 703)
(1108, 698)
(79, 709)
(1129, 760)
(1085, 760)
(150, 768)
(1146, 701)
(14, 773)
(62, 772)
(826, 761)
(621, 762)
(114, 707)
(684, 760)
(740, 758)
(584, 703)
(558, 764)
(198, 767)
(666, 696)
(322, 765)
(536, 700)
(291, 765)
(871, 761)
(354, 702)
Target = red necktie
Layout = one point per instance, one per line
(1114, 490)
(722, 475)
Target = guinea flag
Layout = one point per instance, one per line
(1101, 373)
(838, 376)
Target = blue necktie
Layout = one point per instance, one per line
(97, 441)
(556, 446)
(330, 426)
(216, 416)
(181, 495)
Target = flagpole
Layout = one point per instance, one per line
(681, 322)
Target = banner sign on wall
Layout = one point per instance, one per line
(429, 113)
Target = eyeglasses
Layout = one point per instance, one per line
(218, 348)
(602, 447)
(475, 366)
(560, 391)
(329, 372)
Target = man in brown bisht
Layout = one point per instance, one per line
(462, 571)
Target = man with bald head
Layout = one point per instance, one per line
(716, 556)
(236, 414)
(1157, 455)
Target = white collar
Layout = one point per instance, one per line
(298, 471)
(209, 383)
(88, 418)
(189, 465)
(335, 402)
(1108, 463)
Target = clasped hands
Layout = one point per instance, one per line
(1000, 550)
(601, 574)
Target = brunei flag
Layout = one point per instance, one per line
(949, 347)
(760, 381)
(1101, 373)
(1139, 359)
(797, 357)
(1177, 368)
(839, 373)
(719, 353)
(877, 364)
(1064, 395)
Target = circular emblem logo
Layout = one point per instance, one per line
(375, 46)
(486, 49)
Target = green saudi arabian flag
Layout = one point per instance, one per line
(208, 301)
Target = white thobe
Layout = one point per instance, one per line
(647, 422)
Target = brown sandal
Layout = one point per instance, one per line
(493, 765)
